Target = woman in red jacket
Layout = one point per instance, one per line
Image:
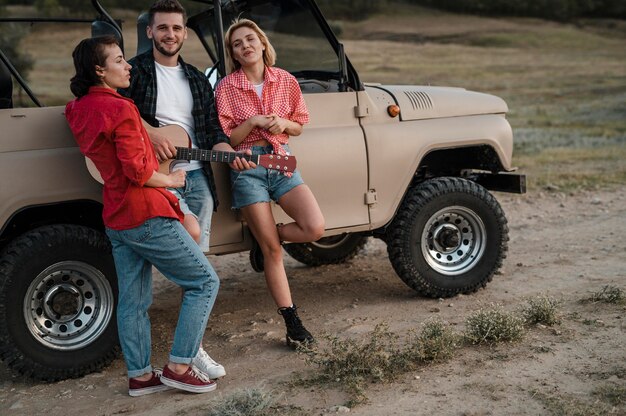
(142, 220)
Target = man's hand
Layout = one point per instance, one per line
(241, 163)
(163, 147)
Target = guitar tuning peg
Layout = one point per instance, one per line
(278, 167)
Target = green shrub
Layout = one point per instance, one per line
(248, 402)
(375, 358)
(608, 294)
(436, 342)
(493, 325)
(378, 358)
(542, 310)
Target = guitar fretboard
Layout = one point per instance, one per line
(185, 153)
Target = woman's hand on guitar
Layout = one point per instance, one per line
(177, 179)
(241, 163)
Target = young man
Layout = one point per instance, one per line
(169, 91)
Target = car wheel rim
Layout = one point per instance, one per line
(68, 305)
(331, 242)
(453, 240)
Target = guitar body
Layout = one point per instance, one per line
(180, 139)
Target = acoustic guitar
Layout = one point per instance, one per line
(184, 152)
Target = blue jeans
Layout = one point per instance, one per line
(195, 198)
(164, 243)
(261, 184)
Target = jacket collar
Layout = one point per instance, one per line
(238, 78)
(106, 91)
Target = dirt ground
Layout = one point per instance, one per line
(564, 245)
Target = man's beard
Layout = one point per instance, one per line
(165, 51)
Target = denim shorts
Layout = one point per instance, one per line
(261, 184)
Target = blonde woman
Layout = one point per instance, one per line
(260, 107)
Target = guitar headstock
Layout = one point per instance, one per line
(283, 163)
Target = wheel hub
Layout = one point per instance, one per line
(68, 305)
(63, 302)
(446, 238)
(453, 240)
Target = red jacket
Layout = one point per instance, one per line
(108, 129)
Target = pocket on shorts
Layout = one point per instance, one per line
(234, 175)
(138, 234)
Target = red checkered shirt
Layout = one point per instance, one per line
(237, 101)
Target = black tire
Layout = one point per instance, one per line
(58, 291)
(328, 250)
(449, 236)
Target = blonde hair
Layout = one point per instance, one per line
(269, 54)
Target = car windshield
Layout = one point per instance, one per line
(301, 45)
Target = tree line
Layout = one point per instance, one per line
(562, 10)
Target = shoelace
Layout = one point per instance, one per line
(205, 356)
(197, 373)
(292, 318)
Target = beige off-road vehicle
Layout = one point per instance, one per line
(411, 165)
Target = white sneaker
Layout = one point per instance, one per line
(203, 362)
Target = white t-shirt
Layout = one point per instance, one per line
(175, 104)
(259, 89)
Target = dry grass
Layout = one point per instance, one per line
(493, 324)
(381, 357)
(570, 405)
(542, 310)
(246, 402)
(608, 294)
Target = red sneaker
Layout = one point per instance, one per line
(191, 380)
(141, 388)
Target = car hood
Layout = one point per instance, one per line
(422, 102)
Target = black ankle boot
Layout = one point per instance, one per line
(296, 332)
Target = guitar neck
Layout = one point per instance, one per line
(186, 153)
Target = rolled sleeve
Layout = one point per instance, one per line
(130, 146)
(225, 113)
(300, 113)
